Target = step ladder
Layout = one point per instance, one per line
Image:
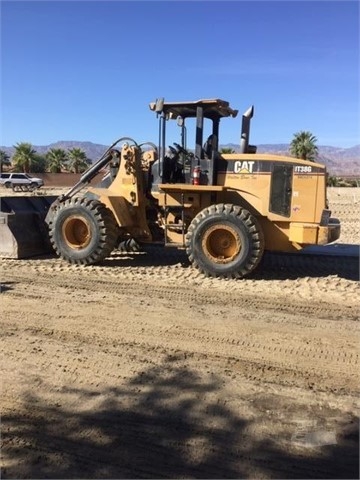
(174, 226)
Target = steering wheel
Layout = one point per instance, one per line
(180, 148)
(173, 150)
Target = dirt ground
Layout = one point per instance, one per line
(142, 368)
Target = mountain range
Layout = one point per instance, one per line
(339, 161)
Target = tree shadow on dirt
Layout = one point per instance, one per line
(167, 422)
(330, 461)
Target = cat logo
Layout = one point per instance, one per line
(245, 166)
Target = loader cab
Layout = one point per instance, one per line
(177, 161)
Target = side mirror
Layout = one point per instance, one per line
(180, 121)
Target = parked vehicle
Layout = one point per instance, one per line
(20, 181)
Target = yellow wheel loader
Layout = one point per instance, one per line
(224, 209)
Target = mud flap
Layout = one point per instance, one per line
(23, 232)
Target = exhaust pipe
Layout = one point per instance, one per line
(245, 132)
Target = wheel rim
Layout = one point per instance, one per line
(221, 244)
(76, 232)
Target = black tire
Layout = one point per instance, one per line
(83, 231)
(225, 241)
(7, 184)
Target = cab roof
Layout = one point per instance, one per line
(213, 108)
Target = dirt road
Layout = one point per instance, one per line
(141, 368)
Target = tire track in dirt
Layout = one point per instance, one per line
(311, 352)
(308, 279)
(80, 280)
(65, 357)
(197, 297)
(99, 355)
(283, 358)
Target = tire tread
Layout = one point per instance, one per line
(239, 214)
(106, 224)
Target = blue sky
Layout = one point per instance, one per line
(87, 70)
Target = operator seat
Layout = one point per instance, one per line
(173, 171)
(208, 146)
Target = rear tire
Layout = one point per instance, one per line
(7, 185)
(83, 231)
(225, 241)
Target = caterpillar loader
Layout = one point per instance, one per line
(224, 209)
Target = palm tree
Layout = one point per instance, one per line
(4, 159)
(24, 157)
(227, 150)
(56, 160)
(332, 181)
(39, 164)
(78, 160)
(303, 146)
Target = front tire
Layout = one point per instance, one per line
(225, 241)
(83, 231)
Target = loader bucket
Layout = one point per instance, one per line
(23, 232)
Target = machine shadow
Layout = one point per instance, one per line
(281, 266)
(273, 266)
(165, 422)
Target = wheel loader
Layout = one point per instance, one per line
(225, 210)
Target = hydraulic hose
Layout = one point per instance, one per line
(94, 169)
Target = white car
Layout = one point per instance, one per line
(11, 180)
